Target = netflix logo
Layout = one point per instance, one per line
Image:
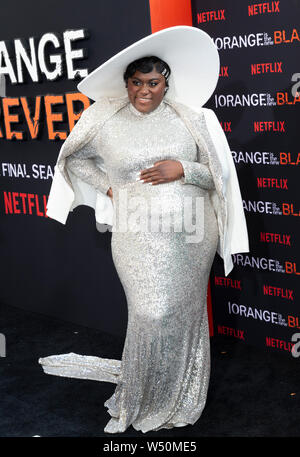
(227, 282)
(211, 16)
(268, 67)
(279, 344)
(224, 72)
(278, 292)
(229, 331)
(23, 203)
(263, 8)
(269, 126)
(226, 126)
(272, 183)
(276, 238)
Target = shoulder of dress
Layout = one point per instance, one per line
(211, 119)
(103, 108)
(114, 102)
(209, 113)
(184, 110)
(106, 106)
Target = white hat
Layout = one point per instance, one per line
(190, 53)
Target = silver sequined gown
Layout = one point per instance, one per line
(163, 377)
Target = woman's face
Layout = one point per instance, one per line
(146, 90)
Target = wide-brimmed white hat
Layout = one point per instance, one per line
(190, 53)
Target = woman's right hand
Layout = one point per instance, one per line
(109, 192)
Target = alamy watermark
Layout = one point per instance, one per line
(296, 348)
(296, 87)
(2, 345)
(156, 214)
(2, 86)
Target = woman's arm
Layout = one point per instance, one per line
(82, 163)
(188, 172)
(197, 173)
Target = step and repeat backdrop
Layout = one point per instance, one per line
(257, 102)
(45, 51)
(54, 269)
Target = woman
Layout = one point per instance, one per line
(150, 157)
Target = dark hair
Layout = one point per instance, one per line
(146, 65)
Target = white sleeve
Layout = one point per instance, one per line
(83, 164)
(197, 173)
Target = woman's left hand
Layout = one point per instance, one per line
(163, 171)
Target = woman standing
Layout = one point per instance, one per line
(157, 157)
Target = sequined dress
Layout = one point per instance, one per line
(163, 376)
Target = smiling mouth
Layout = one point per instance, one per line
(143, 99)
